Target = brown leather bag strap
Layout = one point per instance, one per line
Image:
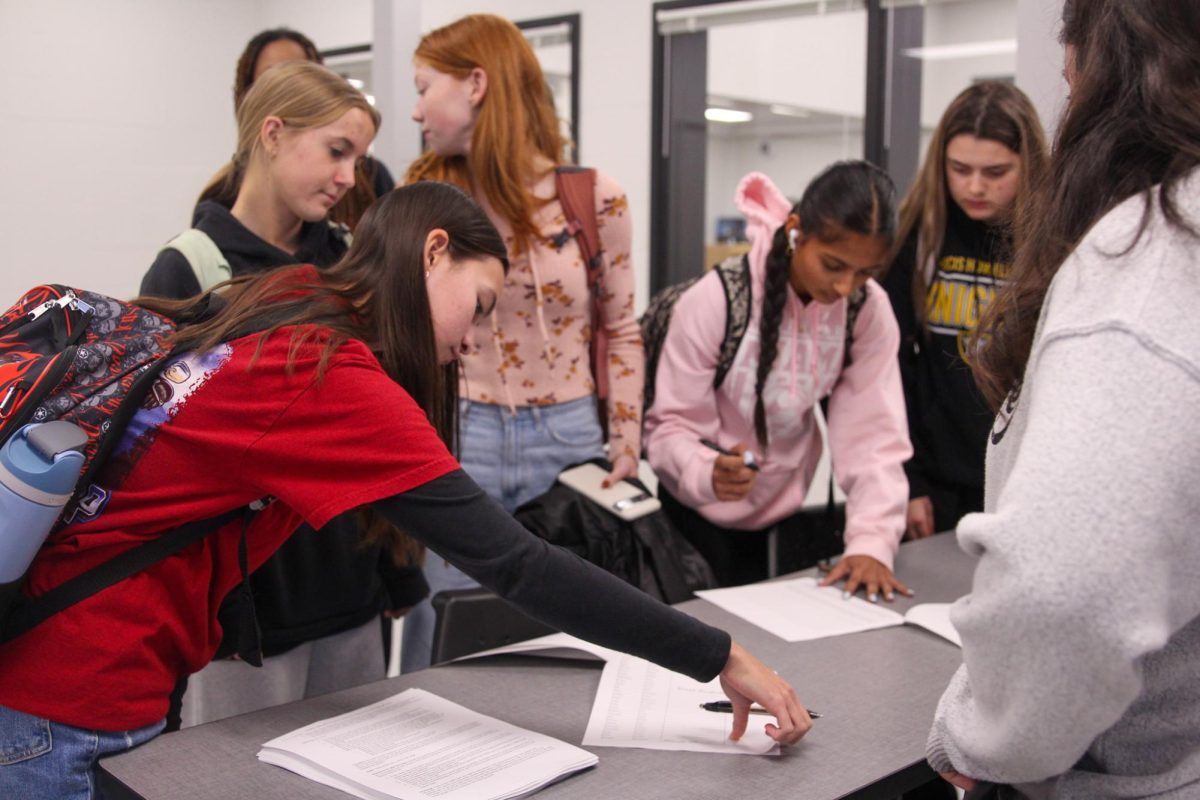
(576, 188)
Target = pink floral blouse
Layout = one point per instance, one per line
(534, 349)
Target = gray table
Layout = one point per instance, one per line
(877, 689)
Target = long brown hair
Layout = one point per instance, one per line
(516, 118)
(375, 294)
(991, 110)
(1132, 124)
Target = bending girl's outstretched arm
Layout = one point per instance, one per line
(455, 518)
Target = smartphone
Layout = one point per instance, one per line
(622, 498)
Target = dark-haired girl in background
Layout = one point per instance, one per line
(806, 261)
(953, 249)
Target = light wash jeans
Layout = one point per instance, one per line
(43, 759)
(514, 459)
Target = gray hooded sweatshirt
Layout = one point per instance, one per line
(1081, 636)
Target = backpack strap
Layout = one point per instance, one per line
(30, 612)
(854, 304)
(202, 254)
(576, 188)
(735, 278)
(342, 231)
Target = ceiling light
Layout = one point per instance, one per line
(779, 109)
(727, 115)
(945, 52)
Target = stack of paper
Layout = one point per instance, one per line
(416, 745)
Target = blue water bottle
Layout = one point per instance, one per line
(39, 467)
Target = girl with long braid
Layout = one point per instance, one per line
(805, 264)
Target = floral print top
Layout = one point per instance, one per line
(534, 350)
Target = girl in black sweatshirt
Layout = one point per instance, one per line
(954, 243)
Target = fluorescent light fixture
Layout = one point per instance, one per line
(946, 52)
(727, 115)
(779, 109)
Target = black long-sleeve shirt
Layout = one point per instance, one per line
(455, 518)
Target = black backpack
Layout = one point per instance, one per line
(735, 280)
(647, 552)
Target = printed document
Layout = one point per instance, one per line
(643, 705)
(798, 610)
(416, 745)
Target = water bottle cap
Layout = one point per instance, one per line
(21, 461)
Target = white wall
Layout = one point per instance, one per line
(959, 23)
(329, 23)
(115, 115)
(1040, 59)
(814, 62)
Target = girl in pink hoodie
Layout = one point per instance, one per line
(805, 262)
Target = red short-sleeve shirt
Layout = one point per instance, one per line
(220, 433)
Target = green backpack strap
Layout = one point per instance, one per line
(202, 254)
(342, 231)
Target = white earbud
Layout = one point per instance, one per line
(793, 235)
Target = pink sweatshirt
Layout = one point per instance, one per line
(868, 428)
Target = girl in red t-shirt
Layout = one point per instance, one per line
(343, 403)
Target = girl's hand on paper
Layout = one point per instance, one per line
(747, 680)
(868, 573)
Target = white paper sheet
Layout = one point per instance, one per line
(798, 610)
(416, 745)
(639, 704)
(553, 645)
(934, 617)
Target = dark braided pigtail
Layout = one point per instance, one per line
(775, 290)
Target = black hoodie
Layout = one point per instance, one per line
(320, 582)
(171, 276)
(947, 416)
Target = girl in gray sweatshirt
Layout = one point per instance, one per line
(1081, 636)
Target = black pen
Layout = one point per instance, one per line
(726, 707)
(747, 456)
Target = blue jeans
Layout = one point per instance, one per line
(514, 458)
(44, 759)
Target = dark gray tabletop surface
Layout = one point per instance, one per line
(877, 689)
